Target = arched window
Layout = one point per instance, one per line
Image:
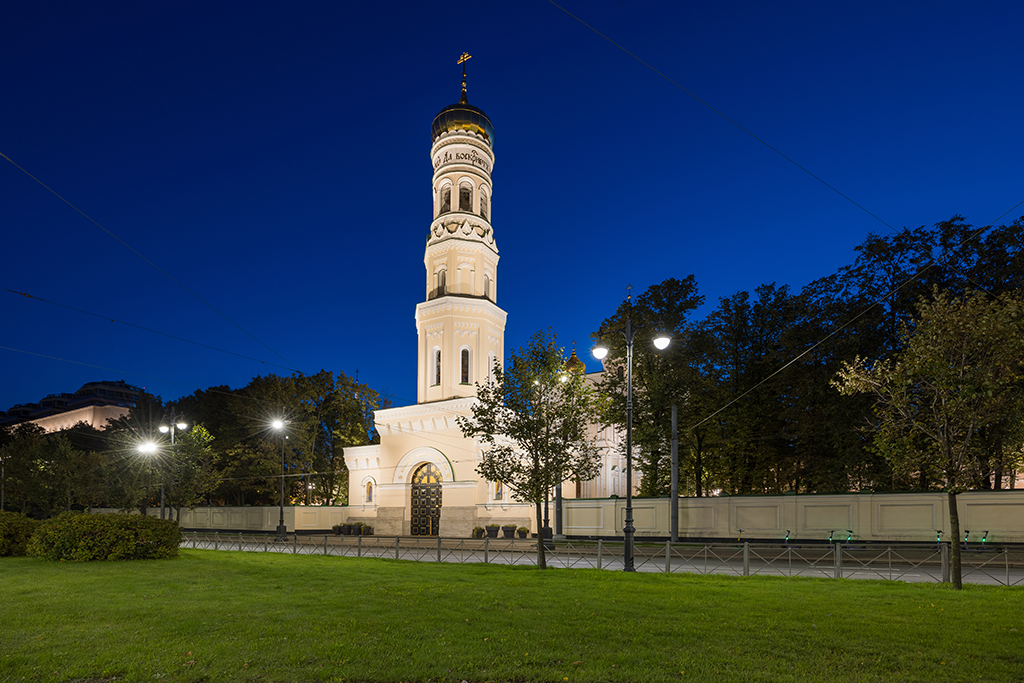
(441, 284)
(490, 367)
(487, 285)
(484, 208)
(465, 197)
(464, 375)
(446, 199)
(437, 366)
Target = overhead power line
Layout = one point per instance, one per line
(144, 329)
(726, 117)
(137, 253)
(931, 262)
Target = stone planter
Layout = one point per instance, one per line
(492, 532)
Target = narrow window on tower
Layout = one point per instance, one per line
(465, 366)
(446, 199)
(465, 197)
(441, 282)
(483, 205)
(437, 367)
(487, 285)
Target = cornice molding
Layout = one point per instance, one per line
(455, 305)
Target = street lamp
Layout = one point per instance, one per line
(164, 429)
(282, 530)
(600, 352)
(149, 448)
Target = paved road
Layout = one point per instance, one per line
(912, 564)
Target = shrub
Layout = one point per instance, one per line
(15, 530)
(77, 537)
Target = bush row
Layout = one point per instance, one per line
(78, 537)
(15, 530)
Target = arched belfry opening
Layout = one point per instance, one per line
(426, 500)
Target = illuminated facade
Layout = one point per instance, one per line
(421, 479)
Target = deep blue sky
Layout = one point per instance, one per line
(273, 158)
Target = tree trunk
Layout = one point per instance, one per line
(954, 555)
(541, 556)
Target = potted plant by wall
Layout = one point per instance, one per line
(478, 532)
(522, 531)
(337, 529)
(492, 530)
(346, 529)
(367, 530)
(509, 530)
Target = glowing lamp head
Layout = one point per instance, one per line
(600, 352)
(181, 425)
(277, 424)
(164, 430)
(147, 447)
(661, 342)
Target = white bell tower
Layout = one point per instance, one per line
(461, 329)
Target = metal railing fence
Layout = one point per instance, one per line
(995, 565)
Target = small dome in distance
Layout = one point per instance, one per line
(574, 364)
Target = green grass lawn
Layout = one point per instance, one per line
(228, 616)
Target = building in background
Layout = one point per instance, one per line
(93, 404)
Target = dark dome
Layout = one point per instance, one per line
(462, 117)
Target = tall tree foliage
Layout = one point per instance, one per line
(532, 420)
(323, 412)
(194, 469)
(958, 374)
(752, 377)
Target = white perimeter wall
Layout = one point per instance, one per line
(871, 517)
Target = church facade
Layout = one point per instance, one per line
(421, 479)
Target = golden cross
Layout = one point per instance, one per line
(462, 60)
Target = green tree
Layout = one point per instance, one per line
(193, 469)
(132, 477)
(21, 447)
(958, 373)
(325, 412)
(533, 422)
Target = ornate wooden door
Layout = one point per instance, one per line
(426, 501)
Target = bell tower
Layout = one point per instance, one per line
(460, 327)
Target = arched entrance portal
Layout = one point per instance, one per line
(426, 500)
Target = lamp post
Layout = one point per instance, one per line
(149, 448)
(600, 352)
(164, 429)
(282, 530)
